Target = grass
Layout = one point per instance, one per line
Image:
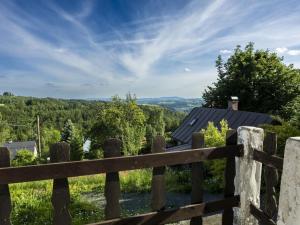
(32, 201)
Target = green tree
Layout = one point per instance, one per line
(291, 112)
(68, 131)
(4, 130)
(7, 93)
(49, 137)
(155, 124)
(215, 137)
(76, 147)
(121, 119)
(259, 78)
(284, 131)
(24, 158)
(72, 135)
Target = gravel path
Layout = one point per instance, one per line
(136, 203)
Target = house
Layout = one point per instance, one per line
(199, 117)
(14, 147)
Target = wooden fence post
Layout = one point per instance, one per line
(231, 139)
(5, 201)
(289, 200)
(158, 193)
(60, 152)
(248, 174)
(271, 177)
(197, 177)
(112, 148)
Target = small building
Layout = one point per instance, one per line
(14, 147)
(199, 117)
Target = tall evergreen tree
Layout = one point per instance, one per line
(68, 131)
(71, 135)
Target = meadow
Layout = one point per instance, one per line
(32, 201)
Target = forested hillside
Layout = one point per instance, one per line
(18, 118)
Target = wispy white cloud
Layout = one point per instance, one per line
(225, 51)
(293, 52)
(71, 54)
(281, 50)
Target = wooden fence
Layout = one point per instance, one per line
(60, 169)
(271, 163)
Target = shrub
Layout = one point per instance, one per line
(24, 158)
(283, 132)
(215, 169)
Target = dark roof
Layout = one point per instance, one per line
(13, 147)
(20, 145)
(179, 148)
(199, 117)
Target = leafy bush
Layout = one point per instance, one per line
(178, 180)
(24, 158)
(122, 119)
(215, 169)
(291, 112)
(283, 132)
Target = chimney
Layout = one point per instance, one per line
(233, 103)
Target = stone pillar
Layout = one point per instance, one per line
(289, 200)
(248, 174)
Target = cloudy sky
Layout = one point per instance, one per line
(90, 48)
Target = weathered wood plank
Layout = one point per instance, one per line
(261, 216)
(197, 177)
(227, 216)
(175, 215)
(112, 148)
(267, 160)
(5, 200)
(81, 168)
(271, 177)
(60, 152)
(158, 190)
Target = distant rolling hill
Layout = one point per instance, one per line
(173, 103)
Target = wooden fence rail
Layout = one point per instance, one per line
(60, 169)
(81, 168)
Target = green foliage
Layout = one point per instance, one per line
(24, 158)
(4, 131)
(136, 181)
(259, 78)
(49, 136)
(32, 200)
(52, 112)
(7, 93)
(283, 132)
(121, 119)
(76, 147)
(291, 112)
(72, 135)
(68, 131)
(178, 180)
(155, 124)
(215, 138)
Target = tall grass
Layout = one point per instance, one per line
(32, 200)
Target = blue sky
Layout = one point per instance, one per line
(86, 49)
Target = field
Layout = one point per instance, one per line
(32, 201)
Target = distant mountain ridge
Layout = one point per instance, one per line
(174, 103)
